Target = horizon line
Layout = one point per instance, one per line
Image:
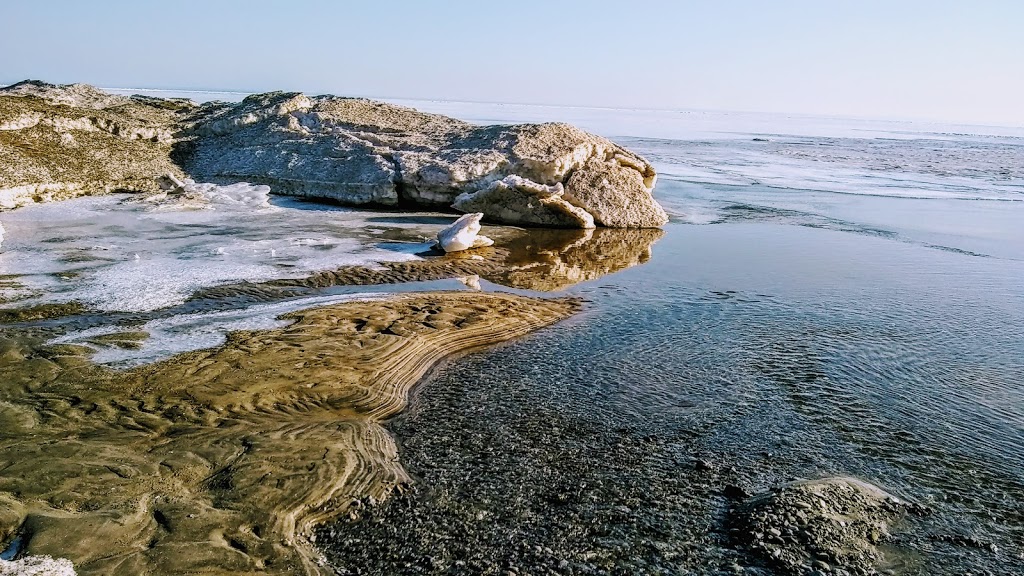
(980, 124)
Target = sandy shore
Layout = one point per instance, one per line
(224, 460)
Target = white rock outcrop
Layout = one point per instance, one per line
(518, 200)
(463, 234)
(358, 152)
(61, 141)
(57, 142)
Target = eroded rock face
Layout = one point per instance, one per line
(57, 142)
(60, 141)
(358, 151)
(615, 195)
(518, 200)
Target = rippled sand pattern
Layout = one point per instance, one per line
(223, 460)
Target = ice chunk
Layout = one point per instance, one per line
(463, 234)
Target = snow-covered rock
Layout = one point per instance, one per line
(57, 142)
(62, 141)
(463, 234)
(358, 151)
(518, 200)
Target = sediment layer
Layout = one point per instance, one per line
(223, 460)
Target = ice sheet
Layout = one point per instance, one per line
(115, 253)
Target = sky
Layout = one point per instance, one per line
(937, 60)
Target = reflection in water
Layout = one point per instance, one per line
(545, 260)
(540, 260)
(551, 260)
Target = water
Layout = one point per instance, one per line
(839, 296)
(846, 297)
(890, 253)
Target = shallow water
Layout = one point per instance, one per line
(818, 306)
(776, 352)
(843, 297)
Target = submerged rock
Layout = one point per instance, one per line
(463, 234)
(825, 524)
(60, 141)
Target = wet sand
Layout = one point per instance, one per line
(224, 460)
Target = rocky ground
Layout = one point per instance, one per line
(522, 469)
(832, 525)
(507, 487)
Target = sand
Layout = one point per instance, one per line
(224, 460)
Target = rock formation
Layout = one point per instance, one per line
(60, 141)
(57, 142)
(463, 234)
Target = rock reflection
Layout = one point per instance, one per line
(550, 260)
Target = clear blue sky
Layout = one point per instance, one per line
(935, 59)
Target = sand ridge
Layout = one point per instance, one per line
(223, 460)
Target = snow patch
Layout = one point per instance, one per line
(37, 566)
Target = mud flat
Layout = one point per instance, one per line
(224, 460)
